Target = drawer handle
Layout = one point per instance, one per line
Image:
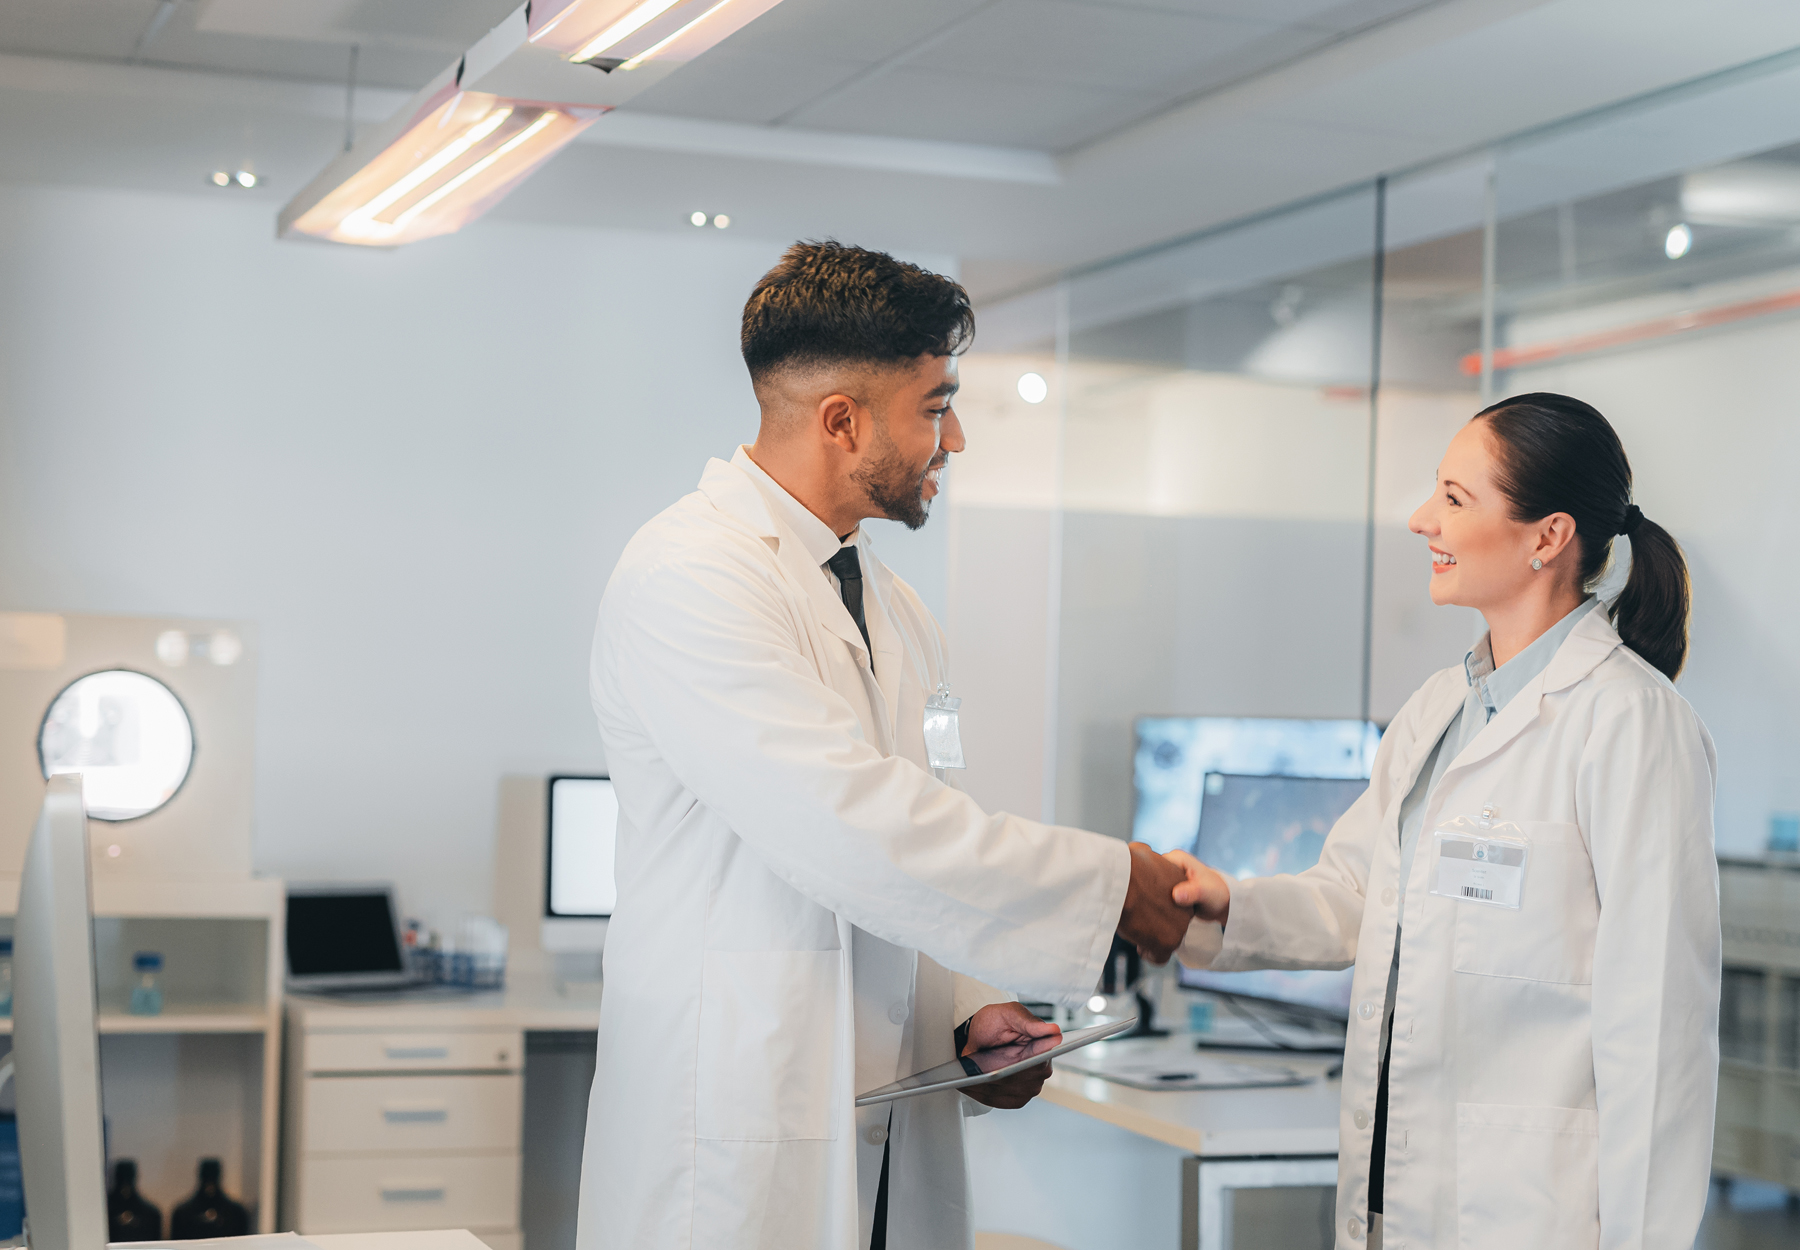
(415, 1115)
(412, 1191)
(416, 1052)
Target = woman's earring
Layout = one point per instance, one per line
(1537, 564)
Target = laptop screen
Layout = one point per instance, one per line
(342, 932)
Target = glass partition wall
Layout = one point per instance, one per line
(1190, 470)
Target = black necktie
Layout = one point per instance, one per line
(848, 570)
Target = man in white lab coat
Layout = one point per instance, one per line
(807, 909)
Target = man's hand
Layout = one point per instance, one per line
(1206, 891)
(1007, 1024)
(1152, 919)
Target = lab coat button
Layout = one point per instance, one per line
(1388, 896)
(1353, 1226)
(1366, 1011)
(876, 1135)
(1361, 1118)
(897, 1013)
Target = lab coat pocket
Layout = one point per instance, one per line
(768, 1032)
(1550, 937)
(1527, 1177)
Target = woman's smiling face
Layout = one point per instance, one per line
(1480, 557)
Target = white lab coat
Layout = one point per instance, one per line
(1554, 1068)
(803, 907)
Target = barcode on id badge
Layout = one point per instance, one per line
(1472, 891)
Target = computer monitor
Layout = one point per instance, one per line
(1259, 827)
(1174, 754)
(56, 1048)
(581, 832)
(344, 937)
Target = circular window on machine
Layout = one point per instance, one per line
(126, 734)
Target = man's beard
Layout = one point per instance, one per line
(892, 485)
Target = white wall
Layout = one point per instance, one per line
(414, 470)
(1708, 421)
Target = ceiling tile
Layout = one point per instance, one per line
(97, 29)
(859, 30)
(927, 103)
(1062, 41)
(738, 85)
(1331, 15)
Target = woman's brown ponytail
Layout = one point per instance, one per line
(1560, 455)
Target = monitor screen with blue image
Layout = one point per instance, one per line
(1174, 754)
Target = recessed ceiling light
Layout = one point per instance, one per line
(1033, 388)
(245, 178)
(698, 219)
(1677, 242)
(220, 178)
(721, 221)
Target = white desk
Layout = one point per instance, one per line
(406, 1112)
(1093, 1164)
(432, 1239)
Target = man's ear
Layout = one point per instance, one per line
(843, 422)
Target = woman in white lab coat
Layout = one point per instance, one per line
(1527, 889)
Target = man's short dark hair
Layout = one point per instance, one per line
(826, 303)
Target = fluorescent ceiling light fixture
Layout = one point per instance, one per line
(662, 44)
(630, 24)
(450, 166)
(609, 35)
(505, 107)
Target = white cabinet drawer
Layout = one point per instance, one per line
(409, 1114)
(415, 1052)
(396, 1193)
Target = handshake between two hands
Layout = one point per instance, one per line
(1166, 892)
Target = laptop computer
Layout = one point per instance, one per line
(345, 939)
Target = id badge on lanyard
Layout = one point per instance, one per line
(1481, 860)
(943, 738)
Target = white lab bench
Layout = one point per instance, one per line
(405, 1113)
(410, 1114)
(1094, 1165)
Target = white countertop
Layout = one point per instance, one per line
(1295, 1120)
(529, 1003)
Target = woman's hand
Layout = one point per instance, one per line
(1206, 891)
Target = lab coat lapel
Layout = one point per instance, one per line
(889, 655)
(732, 492)
(1590, 642)
(827, 605)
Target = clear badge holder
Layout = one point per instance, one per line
(943, 737)
(1481, 860)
